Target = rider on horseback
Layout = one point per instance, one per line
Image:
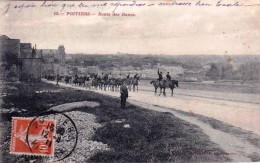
(105, 77)
(96, 76)
(88, 77)
(136, 75)
(102, 76)
(168, 77)
(128, 76)
(99, 78)
(160, 76)
(109, 76)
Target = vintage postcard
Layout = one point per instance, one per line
(130, 81)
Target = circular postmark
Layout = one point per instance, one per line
(52, 133)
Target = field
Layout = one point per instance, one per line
(152, 136)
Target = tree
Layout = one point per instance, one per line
(249, 71)
(12, 73)
(213, 72)
(227, 72)
(8, 60)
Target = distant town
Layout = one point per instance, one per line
(23, 61)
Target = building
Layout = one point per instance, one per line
(26, 50)
(20, 56)
(30, 69)
(30, 63)
(68, 58)
(9, 46)
(190, 76)
(53, 55)
(53, 60)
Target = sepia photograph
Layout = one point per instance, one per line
(130, 81)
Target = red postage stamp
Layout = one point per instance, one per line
(32, 136)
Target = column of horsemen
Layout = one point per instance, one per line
(101, 81)
(108, 81)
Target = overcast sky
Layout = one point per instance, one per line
(154, 30)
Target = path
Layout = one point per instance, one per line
(238, 149)
(241, 150)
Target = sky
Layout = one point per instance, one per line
(173, 30)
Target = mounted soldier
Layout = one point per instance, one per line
(136, 75)
(88, 77)
(128, 76)
(99, 78)
(67, 79)
(109, 76)
(102, 76)
(168, 77)
(105, 77)
(96, 76)
(160, 76)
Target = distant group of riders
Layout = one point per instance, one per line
(102, 81)
(109, 82)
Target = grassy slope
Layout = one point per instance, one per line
(153, 136)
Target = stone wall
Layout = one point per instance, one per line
(9, 46)
(9, 52)
(47, 68)
(31, 69)
(26, 50)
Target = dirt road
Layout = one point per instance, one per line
(239, 150)
(222, 106)
(219, 105)
(241, 114)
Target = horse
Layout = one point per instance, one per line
(135, 83)
(104, 83)
(112, 84)
(88, 82)
(129, 82)
(81, 81)
(99, 83)
(164, 84)
(67, 79)
(50, 77)
(58, 79)
(95, 83)
(156, 85)
(75, 80)
(119, 82)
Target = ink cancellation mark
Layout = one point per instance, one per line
(65, 137)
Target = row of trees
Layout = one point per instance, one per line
(247, 71)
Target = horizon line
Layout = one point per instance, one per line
(162, 54)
